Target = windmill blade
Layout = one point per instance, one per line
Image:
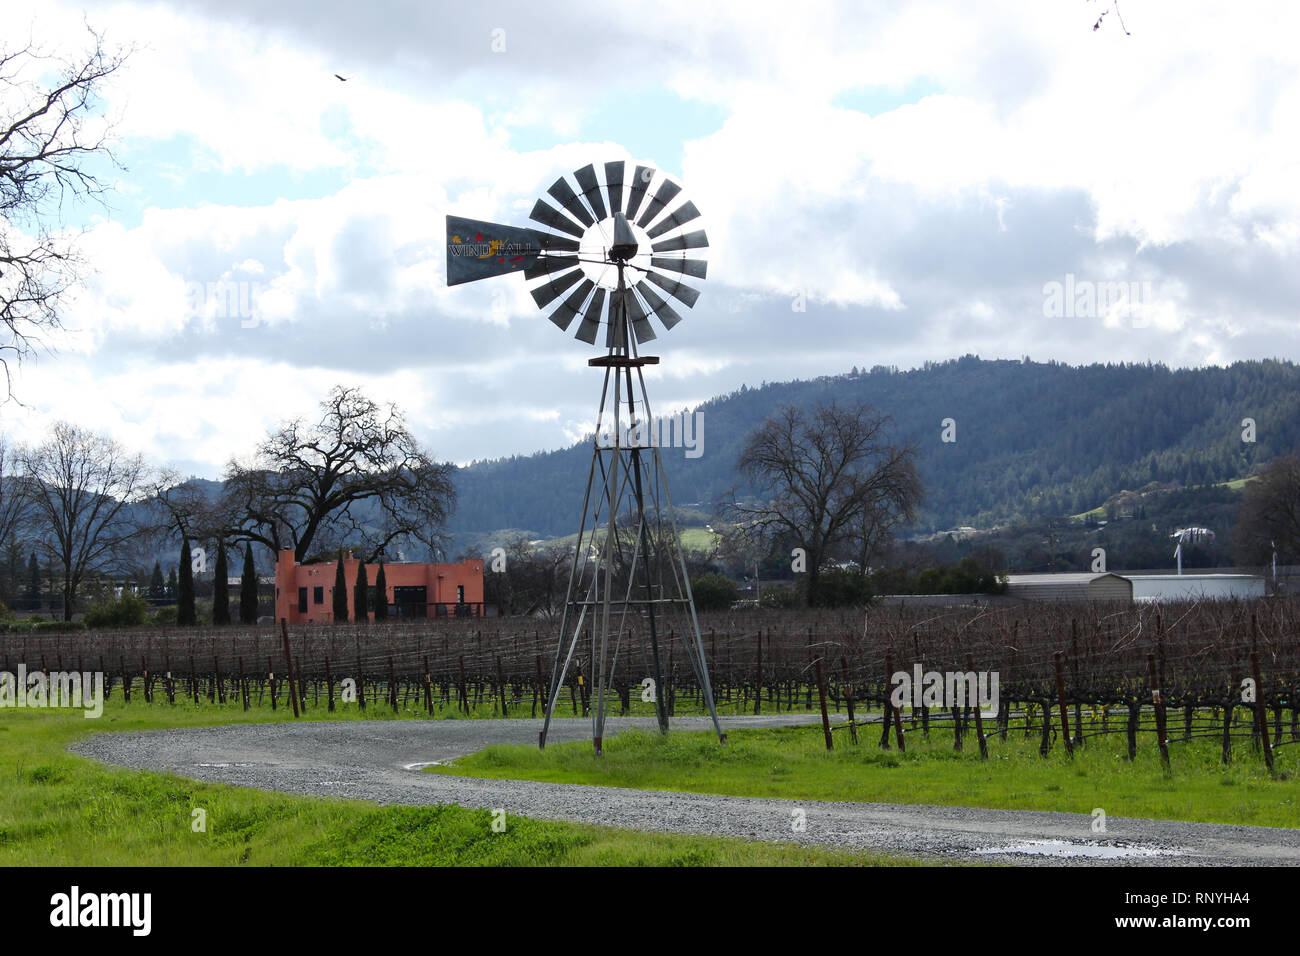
(477, 249)
(586, 177)
(545, 265)
(636, 314)
(690, 267)
(658, 306)
(550, 216)
(640, 182)
(667, 190)
(684, 214)
(590, 324)
(566, 197)
(570, 307)
(614, 185)
(680, 292)
(692, 240)
(550, 290)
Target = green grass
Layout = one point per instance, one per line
(60, 809)
(794, 763)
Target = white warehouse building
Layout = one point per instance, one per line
(1195, 587)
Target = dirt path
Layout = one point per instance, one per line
(379, 760)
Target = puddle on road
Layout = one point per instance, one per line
(427, 763)
(1064, 848)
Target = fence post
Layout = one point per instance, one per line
(821, 699)
(979, 717)
(329, 686)
(758, 687)
(501, 687)
(1065, 711)
(1260, 709)
(288, 664)
(889, 705)
(848, 699)
(243, 684)
(1159, 704)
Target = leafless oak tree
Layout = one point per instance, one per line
(82, 486)
(50, 137)
(1270, 514)
(835, 483)
(355, 475)
(15, 502)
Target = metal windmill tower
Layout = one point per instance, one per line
(607, 253)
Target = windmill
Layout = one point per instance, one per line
(614, 252)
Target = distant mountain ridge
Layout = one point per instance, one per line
(1032, 439)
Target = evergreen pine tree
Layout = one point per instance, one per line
(340, 593)
(381, 594)
(185, 587)
(221, 587)
(157, 586)
(360, 595)
(33, 584)
(171, 585)
(248, 588)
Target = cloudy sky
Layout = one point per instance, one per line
(880, 186)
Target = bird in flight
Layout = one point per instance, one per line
(341, 79)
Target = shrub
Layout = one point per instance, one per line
(164, 616)
(840, 587)
(128, 610)
(779, 597)
(714, 592)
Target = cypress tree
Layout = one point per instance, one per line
(360, 596)
(33, 584)
(248, 588)
(381, 594)
(157, 586)
(221, 587)
(340, 593)
(185, 587)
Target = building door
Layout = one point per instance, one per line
(411, 601)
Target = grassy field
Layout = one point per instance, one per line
(794, 763)
(59, 809)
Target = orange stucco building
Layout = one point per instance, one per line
(304, 593)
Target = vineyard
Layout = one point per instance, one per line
(1159, 675)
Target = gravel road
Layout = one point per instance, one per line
(379, 761)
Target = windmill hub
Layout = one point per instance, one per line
(604, 246)
(625, 243)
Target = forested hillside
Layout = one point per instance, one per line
(1032, 439)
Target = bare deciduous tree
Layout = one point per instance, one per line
(81, 486)
(357, 474)
(834, 483)
(1270, 514)
(51, 134)
(532, 581)
(15, 502)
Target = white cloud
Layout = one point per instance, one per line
(1036, 147)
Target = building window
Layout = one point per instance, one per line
(302, 600)
(318, 595)
(460, 594)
